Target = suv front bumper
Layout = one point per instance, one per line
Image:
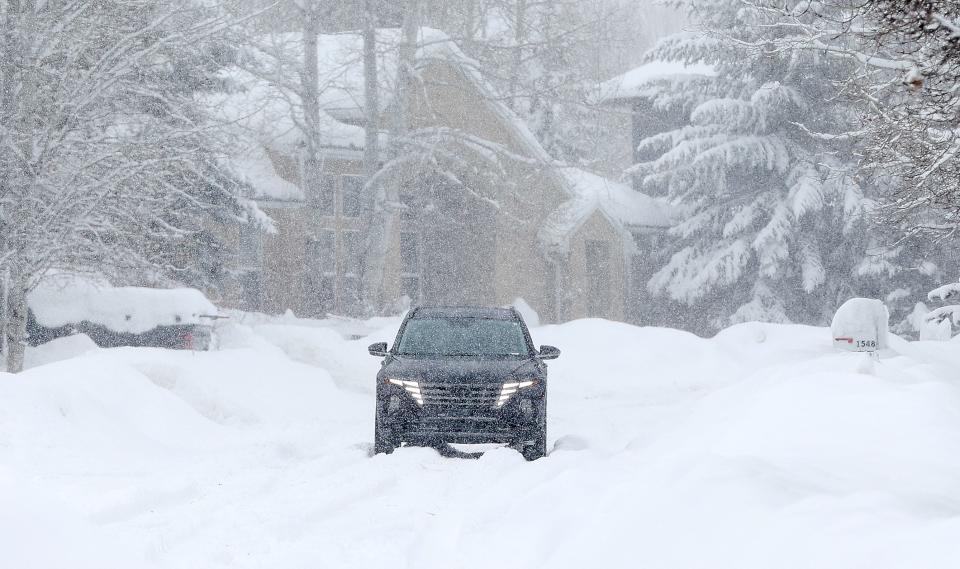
(519, 420)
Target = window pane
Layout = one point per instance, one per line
(352, 189)
(463, 336)
(352, 253)
(319, 276)
(351, 294)
(598, 277)
(251, 246)
(410, 287)
(321, 257)
(325, 197)
(598, 255)
(251, 289)
(319, 295)
(410, 206)
(409, 252)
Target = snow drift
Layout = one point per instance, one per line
(762, 447)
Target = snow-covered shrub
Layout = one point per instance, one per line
(940, 322)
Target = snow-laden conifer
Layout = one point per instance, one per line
(764, 168)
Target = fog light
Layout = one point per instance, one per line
(393, 404)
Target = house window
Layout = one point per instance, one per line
(250, 266)
(598, 278)
(251, 289)
(251, 246)
(411, 208)
(350, 279)
(325, 197)
(321, 274)
(352, 195)
(410, 266)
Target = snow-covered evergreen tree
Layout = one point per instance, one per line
(940, 321)
(774, 225)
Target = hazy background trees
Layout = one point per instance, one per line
(818, 161)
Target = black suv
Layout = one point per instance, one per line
(462, 375)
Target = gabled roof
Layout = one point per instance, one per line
(634, 83)
(268, 115)
(624, 207)
(253, 165)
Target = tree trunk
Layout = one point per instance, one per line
(371, 106)
(311, 103)
(519, 38)
(470, 27)
(374, 253)
(15, 329)
(385, 192)
(405, 71)
(16, 321)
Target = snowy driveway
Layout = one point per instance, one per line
(759, 448)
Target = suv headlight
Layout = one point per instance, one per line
(511, 387)
(411, 387)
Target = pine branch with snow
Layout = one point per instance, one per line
(945, 317)
(775, 225)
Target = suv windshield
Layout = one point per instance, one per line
(462, 337)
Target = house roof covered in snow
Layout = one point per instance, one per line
(268, 114)
(252, 164)
(634, 83)
(623, 206)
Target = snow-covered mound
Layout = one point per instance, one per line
(762, 447)
(861, 325)
(70, 300)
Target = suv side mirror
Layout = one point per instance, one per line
(548, 353)
(379, 349)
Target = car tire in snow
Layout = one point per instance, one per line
(383, 441)
(537, 449)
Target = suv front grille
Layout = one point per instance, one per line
(459, 394)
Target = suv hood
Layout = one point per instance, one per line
(459, 370)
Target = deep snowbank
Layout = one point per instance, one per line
(761, 447)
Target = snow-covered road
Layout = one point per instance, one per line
(761, 448)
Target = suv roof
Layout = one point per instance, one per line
(464, 312)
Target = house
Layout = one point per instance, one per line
(480, 214)
(638, 98)
(641, 103)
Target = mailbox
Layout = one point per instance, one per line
(860, 325)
